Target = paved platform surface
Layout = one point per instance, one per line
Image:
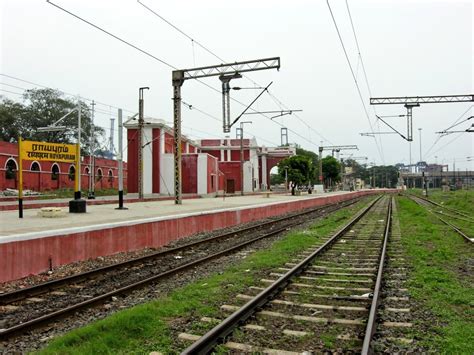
(98, 215)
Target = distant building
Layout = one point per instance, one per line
(50, 175)
(209, 166)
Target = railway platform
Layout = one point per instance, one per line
(33, 244)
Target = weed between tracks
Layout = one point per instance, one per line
(154, 326)
(441, 279)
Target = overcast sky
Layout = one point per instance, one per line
(408, 47)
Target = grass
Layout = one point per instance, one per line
(462, 200)
(437, 280)
(69, 193)
(149, 327)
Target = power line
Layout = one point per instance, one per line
(194, 41)
(353, 76)
(426, 154)
(359, 56)
(11, 92)
(59, 90)
(153, 57)
(112, 35)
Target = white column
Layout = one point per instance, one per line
(264, 172)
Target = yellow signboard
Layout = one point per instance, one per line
(31, 150)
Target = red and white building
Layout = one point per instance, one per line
(209, 166)
(50, 175)
(199, 170)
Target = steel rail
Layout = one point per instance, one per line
(42, 288)
(455, 228)
(213, 337)
(372, 320)
(446, 208)
(5, 333)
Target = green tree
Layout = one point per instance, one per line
(41, 108)
(11, 118)
(300, 170)
(314, 160)
(331, 170)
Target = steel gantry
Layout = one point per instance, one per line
(414, 101)
(333, 148)
(225, 72)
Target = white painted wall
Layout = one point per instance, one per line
(247, 176)
(202, 174)
(148, 161)
(167, 174)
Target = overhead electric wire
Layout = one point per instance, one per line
(156, 58)
(353, 76)
(194, 41)
(361, 60)
(62, 91)
(426, 154)
(11, 92)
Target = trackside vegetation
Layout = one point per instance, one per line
(441, 277)
(150, 327)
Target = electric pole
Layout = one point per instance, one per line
(181, 75)
(91, 194)
(419, 130)
(141, 123)
(242, 156)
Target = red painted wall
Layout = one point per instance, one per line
(43, 180)
(210, 142)
(23, 258)
(189, 173)
(231, 170)
(156, 160)
(132, 148)
(212, 177)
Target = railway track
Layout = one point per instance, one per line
(34, 306)
(446, 215)
(327, 300)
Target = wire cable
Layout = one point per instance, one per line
(194, 41)
(361, 60)
(353, 76)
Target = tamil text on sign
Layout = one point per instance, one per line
(49, 151)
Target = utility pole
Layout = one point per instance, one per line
(284, 136)
(141, 123)
(91, 194)
(286, 179)
(419, 130)
(333, 148)
(242, 156)
(120, 161)
(181, 75)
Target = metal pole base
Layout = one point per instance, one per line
(77, 206)
(120, 207)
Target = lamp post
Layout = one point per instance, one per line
(242, 155)
(77, 205)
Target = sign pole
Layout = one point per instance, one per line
(20, 180)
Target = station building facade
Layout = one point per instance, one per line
(199, 170)
(49, 175)
(209, 166)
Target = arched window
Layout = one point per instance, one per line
(55, 172)
(110, 176)
(35, 166)
(86, 171)
(10, 169)
(72, 173)
(99, 174)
